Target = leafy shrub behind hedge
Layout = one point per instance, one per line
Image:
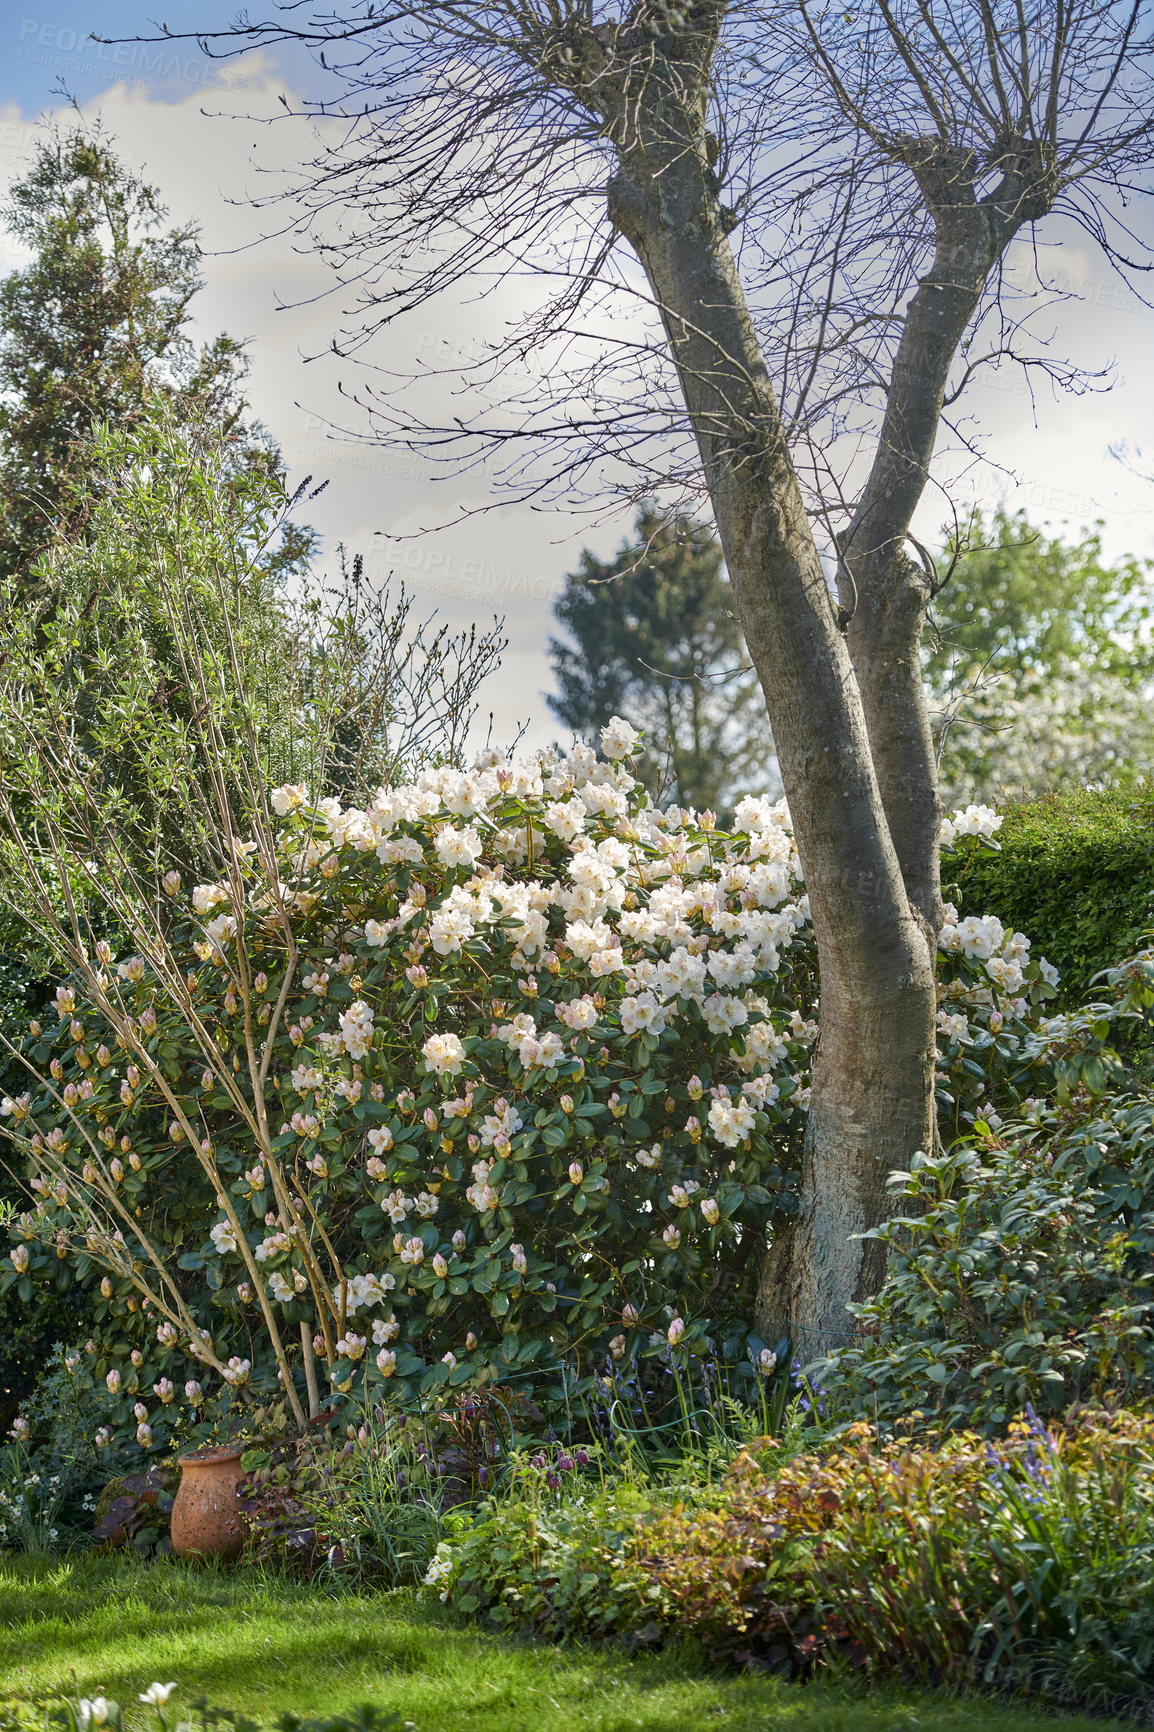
(1075, 871)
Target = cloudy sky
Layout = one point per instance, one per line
(181, 118)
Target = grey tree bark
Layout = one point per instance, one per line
(884, 592)
(871, 1106)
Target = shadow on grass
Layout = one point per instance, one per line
(265, 1644)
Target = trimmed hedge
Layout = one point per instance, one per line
(1075, 871)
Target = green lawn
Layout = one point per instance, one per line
(261, 1644)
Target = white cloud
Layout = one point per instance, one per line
(512, 559)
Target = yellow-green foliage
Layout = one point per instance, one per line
(1026, 1561)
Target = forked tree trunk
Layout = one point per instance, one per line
(883, 592)
(871, 1106)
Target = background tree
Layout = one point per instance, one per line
(1039, 660)
(93, 331)
(877, 166)
(94, 326)
(654, 639)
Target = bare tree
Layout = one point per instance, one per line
(820, 208)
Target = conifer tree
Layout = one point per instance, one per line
(654, 639)
(92, 327)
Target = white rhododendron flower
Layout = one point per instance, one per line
(566, 820)
(458, 847)
(357, 1028)
(972, 821)
(618, 739)
(444, 1054)
(288, 798)
(981, 935)
(731, 1122)
(504, 1122)
(643, 1014)
(218, 931)
(364, 1290)
(223, 1237)
(206, 897)
(723, 1014)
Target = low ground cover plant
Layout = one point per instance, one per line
(370, 1502)
(1025, 1562)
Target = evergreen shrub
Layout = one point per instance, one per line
(1075, 871)
(500, 1078)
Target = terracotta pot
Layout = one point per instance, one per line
(206, 1519)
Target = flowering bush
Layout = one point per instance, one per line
(503, 1076)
